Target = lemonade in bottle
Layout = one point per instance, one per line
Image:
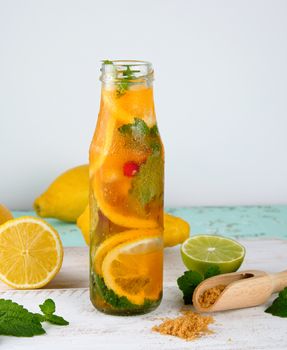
(126, 193)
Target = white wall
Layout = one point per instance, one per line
(221, 86)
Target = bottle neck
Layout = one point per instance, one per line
(125, 75)
(127, 91)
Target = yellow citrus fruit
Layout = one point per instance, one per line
(67, 197)
(5, 214)
(176, 230)
(117, 239)
(134, 269)
(83, 222)
(31, 253)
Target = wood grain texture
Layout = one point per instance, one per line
(233, 330)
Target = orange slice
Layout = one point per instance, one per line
(115, 240)
(31, 253)
(137, 102)
(119, 218)
(100, 147)
(114, 107)
(134, 269)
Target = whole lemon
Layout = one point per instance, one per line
(5, 214)
(176, 230)
(67, 197)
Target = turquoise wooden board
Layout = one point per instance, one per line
(236, 222)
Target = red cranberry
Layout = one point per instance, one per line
(130, 169)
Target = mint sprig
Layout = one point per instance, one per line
(125, 78)
(279, 305)
(48, 308)
(17, 321)
(128, 76)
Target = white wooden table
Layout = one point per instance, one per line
(90, 329)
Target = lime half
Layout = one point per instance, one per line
(203, 251)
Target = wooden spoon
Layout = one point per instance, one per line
(243, 289)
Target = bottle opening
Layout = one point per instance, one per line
(118, 71)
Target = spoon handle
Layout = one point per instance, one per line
(279, 281)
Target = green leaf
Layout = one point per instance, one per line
(279, 305)
(154, 130)
(212, 271)
(58, 320)
(187, 284)
(48, 307)
(17, 321)
(107, 62)
(122, 88)
(283, 294)
(137, 129)
(147, 185)
(128, 76)
(129, 73)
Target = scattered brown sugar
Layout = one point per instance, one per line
(210, 296)
(189, 326)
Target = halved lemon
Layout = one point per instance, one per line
(115, 240)
(31, 253)
(134, 269)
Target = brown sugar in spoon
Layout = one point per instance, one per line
(242, 289)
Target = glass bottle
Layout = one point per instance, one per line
(126, 193)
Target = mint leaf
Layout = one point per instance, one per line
(110, 296)
(279, 305)
(128, 76)
(154, 130)
(147, 185)
(129, 73)
(48, 307)
(212, 271)
(137, 129)
(187, 284)
(17, 321)
(58, 320)
(107, 62)
(139, 132)
(283, 294)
